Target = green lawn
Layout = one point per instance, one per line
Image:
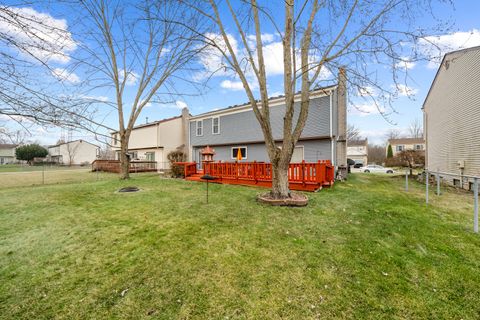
(361, 250)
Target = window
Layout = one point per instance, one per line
(199, 128)
(418, 147)
(216, 125)
(243, 151)
(115, 139)
(400, 147)
(456, 182)
(150, 156)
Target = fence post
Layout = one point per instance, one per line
(406, 180)
(475, 206)
(427, 178)
(255, 171)
(438, 184)
(303, 172)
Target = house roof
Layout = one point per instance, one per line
(7, 145)
(271, 99)
(154, 123)
(440, 67)
(406, 141)
(81, 140)
(358, 142)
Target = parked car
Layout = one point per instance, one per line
(358, 165)
(376, 168)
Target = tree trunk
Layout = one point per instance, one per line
(280, 188)
(124, 160)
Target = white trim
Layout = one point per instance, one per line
(331, 130)
(272, 103)
(239, 147)
(218, 118)
(196, 128)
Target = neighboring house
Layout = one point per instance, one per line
(73, 153)
(402, 144)
(7, 153)
(452, 116)
(236, 128)
(357, 150)
(155, 140)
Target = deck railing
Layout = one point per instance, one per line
(189, 168)
(114, 166)
(319, 172)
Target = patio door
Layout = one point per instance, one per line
(297, 155)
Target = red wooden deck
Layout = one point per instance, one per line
(301, 176)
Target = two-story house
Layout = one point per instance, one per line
(73, 152)
(451, 114)
(402, 144)
(236, 128)
(7, 153)
(155, 140)
(357, 150)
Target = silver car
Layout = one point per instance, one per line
(374, 168)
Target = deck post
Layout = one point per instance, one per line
(303, 172)
(255, 171)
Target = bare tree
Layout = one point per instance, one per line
(17, 137)
(31, 90)
(72, 149)
(316, 36)
(393, 134)
(415, 130)
(376, 154)
(353, 133)
(135, 47)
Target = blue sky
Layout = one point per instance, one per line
(224, 90)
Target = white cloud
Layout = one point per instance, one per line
(132, 77)
(232, 85)
(405, 63)
(38, 34)
(404, 90)
(213, 62)
(367, 91)
(365, 109)
(181, 104)
(65, 76)
(435, 47)
(266, 38)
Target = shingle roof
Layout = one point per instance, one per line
(7, 145)
(362, 142)
(406, 141)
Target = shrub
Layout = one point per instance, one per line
(30, 151)
(389, 151)
(176, 156)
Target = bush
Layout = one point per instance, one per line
(176, 156)
(389, 151)
(30, 151)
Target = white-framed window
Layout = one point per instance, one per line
(199, 128)
(115, 139)
(400, 147)
(243, 151)
(418, 147)
(150, 156)
(216, 125)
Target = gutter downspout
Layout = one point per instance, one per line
(331, 129)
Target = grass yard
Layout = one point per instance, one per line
(361, 250)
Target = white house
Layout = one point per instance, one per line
(155, 140)
(74, 152)
(7, 153)
(357, 150)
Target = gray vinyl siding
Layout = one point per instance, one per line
(313, 150)
(243, 126)
(452, 115)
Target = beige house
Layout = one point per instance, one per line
(357, 150)
(155, 140)
(7, 153)
(73, 153)
(402, 144)
(452, 116)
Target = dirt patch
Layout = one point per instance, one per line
(295, 200)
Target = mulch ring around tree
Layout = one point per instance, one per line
(295, 200)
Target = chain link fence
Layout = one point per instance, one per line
(438, 181)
